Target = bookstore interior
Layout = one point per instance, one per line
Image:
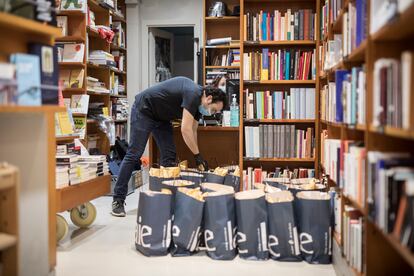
(275, 135)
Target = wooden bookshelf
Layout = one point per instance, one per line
(383, 254)
(279, 43)
(222, 19)
(279, 159)
(288, 82)
(281, 121)
(222, 67)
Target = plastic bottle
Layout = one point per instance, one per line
(234, 112)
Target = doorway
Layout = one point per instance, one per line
(171, 53)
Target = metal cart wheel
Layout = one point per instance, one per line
(83, 215)
(62, 227)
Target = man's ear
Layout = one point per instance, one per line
(209, 99)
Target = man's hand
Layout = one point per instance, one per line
(201, 164)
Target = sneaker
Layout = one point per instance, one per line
(118, 209)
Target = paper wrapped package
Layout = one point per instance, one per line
(158, 175)
(153, 232)
(195, 177)
(217, 176)
(283, 234)
(251, 216)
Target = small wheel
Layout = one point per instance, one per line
(83, 215)
(62, 227)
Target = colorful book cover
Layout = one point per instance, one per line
(264, 26)
(287, 65)
(339, 78)
(28, 79)
(265, 64)
(80, 126)
(76, 78)
(66, 128)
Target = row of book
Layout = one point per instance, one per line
(330, 12)
(120, 34)
(30, 79)
(391, 194)
(120, 60)
(330, 53)
(279, 141)
(95, 85)
(353, 231)
(392, 91)
(354, 26)
(252, 175)
(231, 74)
(343, 101)
(344, 162)
(297, 103)
(232, 58)
(278, 25)
(284, 64)
(72, 78)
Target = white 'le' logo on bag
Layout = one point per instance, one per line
(305, 238)
(141, 232)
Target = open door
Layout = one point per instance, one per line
(161, 55)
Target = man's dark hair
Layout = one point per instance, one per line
(217, 94)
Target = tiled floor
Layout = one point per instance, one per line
(107, 249)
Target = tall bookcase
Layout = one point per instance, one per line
(382, 253)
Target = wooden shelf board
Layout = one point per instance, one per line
(292, 82)
(117, 17)
(400, 28)
(70, 38)
(7, 241)
(394, 132)
(118, 48)
(71, 13)
(66, 138)
(91, 121)
(280, 42)
(96, 7)
(118, 96)
(121, 121)
(222, 46)
(290, 121)
(224, 18)
(357, 127)
(79, 114)
(72, 196)
(278, 159)
(96, 94)
(27, 26)
(31, 109)
(73, 90)
(222, 67)
(71, 64)
(358, 54)
(404, 252)
(354, 203)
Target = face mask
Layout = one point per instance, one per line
(204, 111)
(222, 87)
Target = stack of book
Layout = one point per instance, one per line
(72, 78)
(344, 162)
(353, 237)
(96, 86)
(69, 164)
(343, 101)
(97, 108)
(232, 58)
(120, 109)
(258, 175)
(298, 103)
(330, 53)
(100, 57)
(279, 141)
(287, 64)
(391, 92)
(96, 164)
(291, 25)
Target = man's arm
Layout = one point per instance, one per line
(189, 131)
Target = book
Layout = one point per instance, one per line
(49, 73)
(73, 5)
(62, 23)
(80, 123)
(64, 77)
(28, 79)
(73, 52)
(63, 124)
(76, 78)
(80, 104)
(42, 12)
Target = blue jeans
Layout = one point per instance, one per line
(141, 126)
